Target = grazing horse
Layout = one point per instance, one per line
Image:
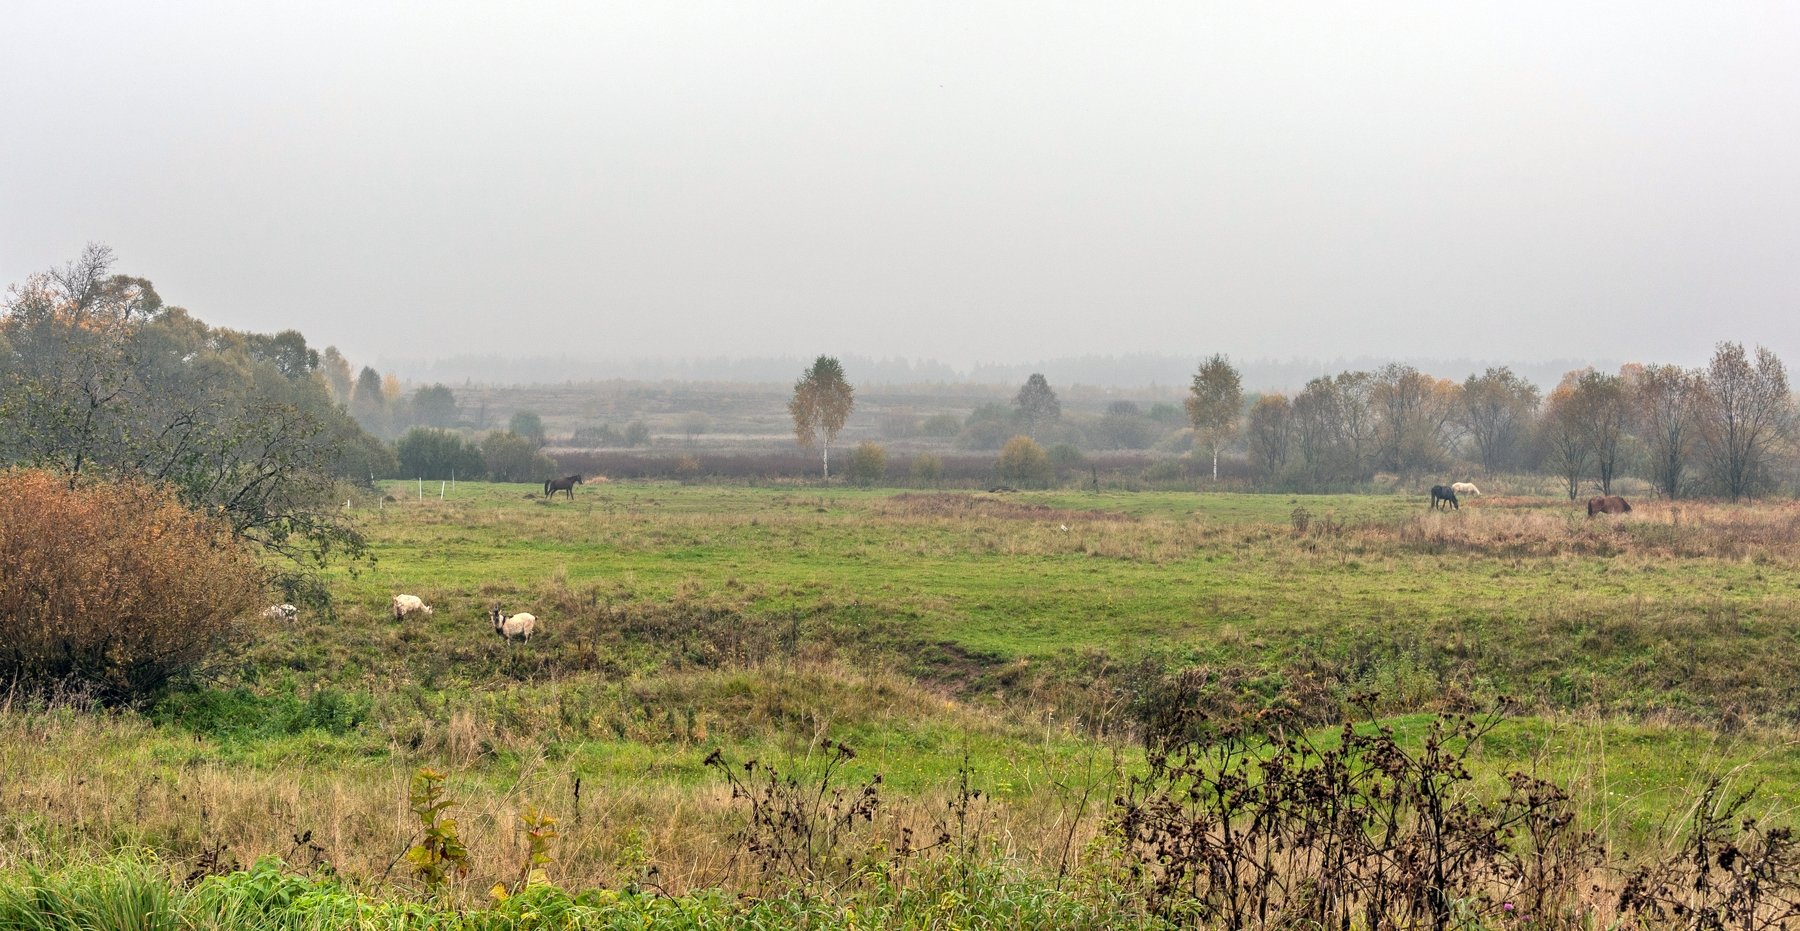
(1465, 488)
(566, 483)
(1611, 504)
(1445, 494)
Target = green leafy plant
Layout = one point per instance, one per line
(540, 830)
(440, 852)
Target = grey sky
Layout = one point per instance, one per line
(966, 182)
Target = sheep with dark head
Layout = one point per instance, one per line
(518, 627)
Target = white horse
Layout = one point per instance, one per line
(1465, 488)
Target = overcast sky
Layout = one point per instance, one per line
(959, 181)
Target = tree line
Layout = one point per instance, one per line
(1725, 429)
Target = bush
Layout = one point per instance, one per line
(984, 434)
(438, 454)
(596, 437)
(1167, 472)
(868, 464)
(637, 434)
(510, 457)
(1023, 462)
(941, 426)
(927, 469)
(1065, 458)
(113, 588)
(1121, 430)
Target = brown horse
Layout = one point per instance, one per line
(566, 483)
(1611, 504)
(1445, 494)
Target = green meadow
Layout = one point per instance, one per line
(1010, 643)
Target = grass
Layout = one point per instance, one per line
(934, 633)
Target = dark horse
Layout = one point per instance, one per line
(1611, 504)
(566, 483)
(1445, 494)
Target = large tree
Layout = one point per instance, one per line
(1317, 427)
(1037, 404)
(99, 378)
(528, 425)
(1605, 407)
(434, 406)
(1745, 408)
(336, 370)
(820, 406)
(1270, 431)
(1215, 401)
(1413, 412)
(1494, 410)
(1665, 401)
(368, 405)
(1565, 435)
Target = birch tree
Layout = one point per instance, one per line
(1215, 401)
(820, 407)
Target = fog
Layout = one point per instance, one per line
(974, 184)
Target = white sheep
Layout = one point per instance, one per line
(281, 612)
(517, 627)
(409, 604)
(1465, 488)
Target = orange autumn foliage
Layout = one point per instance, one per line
(113, 589)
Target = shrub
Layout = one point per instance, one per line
(596, 437)
(637, 434)
(1066, 458)
(868, 464)
(438, 454)
(984, 434)
(1023, 462)
(113, 588)
(927, 469)
(1166, 472)
(941, 426)
(510, 457)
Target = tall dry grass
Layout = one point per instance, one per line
(81, 783)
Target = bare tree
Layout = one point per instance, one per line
(1037, 404)
(1665, 400)
(1745, 408)
(1317, 426)
(821, 405)
(1270, 431)
(1334, 426)
(1605, 408)
(1413, 416)
(1494, 410)
(1564, 434)
(1215, 401)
